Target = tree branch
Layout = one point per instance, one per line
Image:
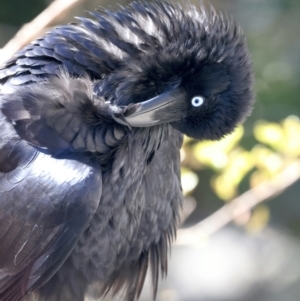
(31, 30)
(240, 205)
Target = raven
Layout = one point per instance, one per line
(92, 116)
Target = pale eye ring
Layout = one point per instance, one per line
(197, 101)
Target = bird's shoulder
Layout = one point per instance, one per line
(69, 47)
(62, 115)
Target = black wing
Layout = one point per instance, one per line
(45, 205)
(75, 47)
(97, 46)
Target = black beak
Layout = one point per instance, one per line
(164, 108)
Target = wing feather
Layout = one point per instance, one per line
(45, 205)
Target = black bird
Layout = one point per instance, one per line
(92, 117)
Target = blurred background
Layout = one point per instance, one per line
(243, 252)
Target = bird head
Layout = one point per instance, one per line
(191, 68)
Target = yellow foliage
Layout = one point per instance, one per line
(214, 154)
(291, 127)
(282, 137)
(259, 219)
(239, 164)
(266, 159)
(189, 180)
(258, 177)
(224, 187)
(269, 133)
(279, 145)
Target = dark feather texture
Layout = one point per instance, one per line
(91, 120)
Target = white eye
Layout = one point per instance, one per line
(197, 101)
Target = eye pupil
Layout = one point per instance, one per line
(197, 101)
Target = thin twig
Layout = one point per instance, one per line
(31, 30)
(240, 205)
